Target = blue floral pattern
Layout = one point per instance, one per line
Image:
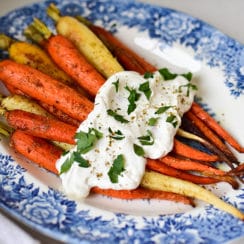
(49, 210)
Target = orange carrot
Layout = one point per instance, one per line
(60, 115)
(128, 58)
(36, 149)
(41, 126)
(42, 87)
(143, 193)
(68, 58)
(162, 168)
(211, 136)
(212, 123)
(185, 164)
(189, 152)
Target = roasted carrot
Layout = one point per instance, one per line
(156, 181)
(36, 149)
(69, 59)
(143, 193)
(184, 150)
(34, 56)
(185, 164)
(45, 155)
(212, 123)
(41, 126)
(60, 115)
(211, 136)
(86, 42)
(42, 87)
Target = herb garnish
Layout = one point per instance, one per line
(117, 116)
(167, 75)
(116, 84)
(67, 164)
(116, 135)
(146, 140)
(172, 119)
(152, 121)
(86, 140)
(116, 169)
(189, 86)
(162, 109)
(138, 150)
(145, 88)
(133, 97)
(148, 75)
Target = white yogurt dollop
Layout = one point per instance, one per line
(136, 118)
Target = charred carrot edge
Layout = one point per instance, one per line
(41, 126)
(184, 150)
(36, 149)
(160, 167)
(210, 135)
(212, 123)
(68, 58)
(143, 193)
(185, 164)
(42, 87)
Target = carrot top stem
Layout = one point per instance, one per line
(5, 42)
(53, 12)
(33, 34)
(41, 28)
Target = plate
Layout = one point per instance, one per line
(166, 38)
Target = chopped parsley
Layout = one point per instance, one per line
(116, 135)
(162, 109)
(67, 164)
(86, 140)
(117, 168)
(146, 140)
(117, 116)
(189, 87)
(167, 75)
(80, 160)
(172, 119)
(152, 121)
(116, 84)
(138, 150)
(148, 75)
(145, 88)
(133, 98)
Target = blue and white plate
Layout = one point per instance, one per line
(166, 38)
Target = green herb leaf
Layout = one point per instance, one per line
(85, 141)
(152, 121)
(145, 88)
(67, 164)
(116, 135)
(117, 168)
(146, 140)
(117, 116)
(162, 109)
(97, 133)
(138, 150)
(116, 84)
(167, 75)
(173, 120)
(80, 160)
(189, 86)
(133, 97)
(188, 76)
(148, 75)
